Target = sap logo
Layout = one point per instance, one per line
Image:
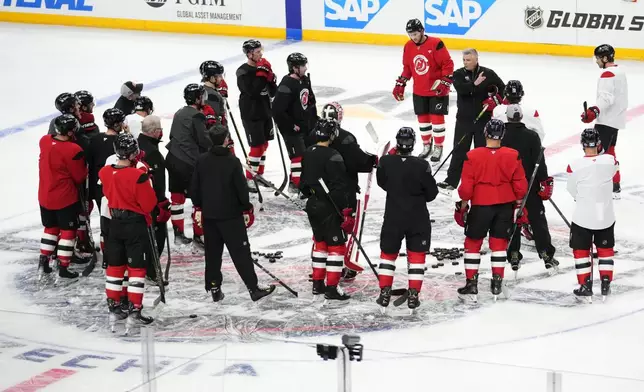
(351, 14)
(72, 5)
(455, 17)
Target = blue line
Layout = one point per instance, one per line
(148, 86)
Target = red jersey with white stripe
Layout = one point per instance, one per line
(612, 97)
(128, 188)
(426, 63)
(61, 169)
(492, 176)
(590, 182)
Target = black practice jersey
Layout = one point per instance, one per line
(326, 163)
(294, 104)
(255, 94)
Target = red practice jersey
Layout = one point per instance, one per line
(128, 188)
(426, 63)
(62, 169)
(492, 176)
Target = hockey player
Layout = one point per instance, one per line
(62, 170)
(513, 95)
(188, 139)
(65, 103)
(593, 222)
(257, 85)
(476, 88)
(88, 127)
(329, 229)
(528, 145)
(410, 185)
(611, 105)
(427, 61)
(220, 195)
(131, 199)
(212, 76)
(130, 91)
(143, 107)
(494, 182)
(295, 112)
(356, 161)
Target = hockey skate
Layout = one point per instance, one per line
(412, 300)
(617, 191)
(497, 287)
(116, 313)
(43, 267)
(427, 150)
(335, 293)
(180, 238)
(515, 263)
(319, 287)
(437, 154)
(552, 264)
(125, 304)
(65, 276)
(384, 298)
(256, 294)
(584, 293)
(469, 292)
(292, 188)
(216, 293)
(348, 275)
(605, 287)
(136, 319)
(252, 187)
(198, 244)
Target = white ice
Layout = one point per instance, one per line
(508, 346)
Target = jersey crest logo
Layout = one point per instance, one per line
(304, 98)
(533, 17)
(421, 64)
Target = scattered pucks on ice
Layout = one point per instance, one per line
(458, 273)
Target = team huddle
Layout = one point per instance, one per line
(499, 187)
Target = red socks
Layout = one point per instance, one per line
(498, 247)
(49, 240)
(319, 256)
(416, 269)
(177, 199)
(334, 264)
(472, 259)
(387, 268)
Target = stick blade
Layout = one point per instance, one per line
(372, 132)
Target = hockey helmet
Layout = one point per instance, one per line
(494, 129)
(414, 25)
(295, 60)
(326, 130)
(114, 119)
(250, 45)
(193, 93)
(590, 138)
(85, 98)
(210, 68)
(66, 123)
(405, 140)
(66, 103)
(143, 104)
(607, 51)
(514, 91)
(333, 111)
(125, 146)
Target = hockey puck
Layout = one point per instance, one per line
(441, 264)
(271, 260)
(434, 265)
(458, 273)
(193, 316)
(455, 263)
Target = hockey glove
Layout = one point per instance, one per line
(399, 89)
(590, 115)
(460, 213)
(545, 188)
(442, 86)
(492, 102)
(264, 70)
(520, 216)
(393, 151)
(197, 216)
(164, 211)
(349, 220)
(249, 217)
(222, 88)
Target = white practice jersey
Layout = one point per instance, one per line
(134, 123)
(590, 182)
(612, 97)
(531, 118)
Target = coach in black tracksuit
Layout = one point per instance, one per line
(473, 84)
(220, 195)
(528, 144)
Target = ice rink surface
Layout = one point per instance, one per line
(56, 339)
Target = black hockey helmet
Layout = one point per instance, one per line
(590, 138)
(414, 25)
(193, 93)
(66, 102)
(333, 111)
(405, 140)
(143, 104)
(125, 146)
(494, 129)
(85, 98)
(66, 123)
(514, 91)
(325, 130)
(250, 45)
(295, 60)
(607, 51)
(210, 68)
(114, 119)
(218, 134)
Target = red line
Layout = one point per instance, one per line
(41, 381)
(573, 140)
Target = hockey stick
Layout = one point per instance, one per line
(278, 280)
(279, 143)
(585, 110)
(157, 267)
(559, 212)
(269, 184)
(449, 155)
(525, 198)
(167, 265)
(481, 114)
(357, 241)
(90, 267)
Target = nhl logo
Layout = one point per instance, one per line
(533, 17)
(156, 3)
